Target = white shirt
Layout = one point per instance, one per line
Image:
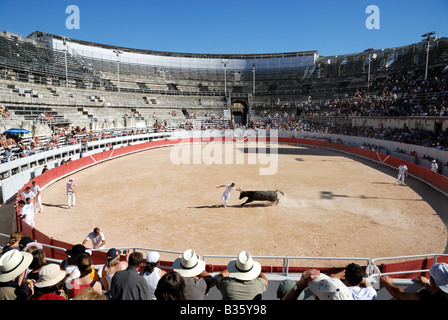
(30, 194)
(28, 210)
(434, 167)
(152, 279)
(228, 189)
(402, 169)
(367, 293)
(35, 189)
(96, 240)
(68, 185)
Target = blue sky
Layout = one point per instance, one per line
(246, 26)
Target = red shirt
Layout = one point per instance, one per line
(49, 296)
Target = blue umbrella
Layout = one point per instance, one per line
(16, 131)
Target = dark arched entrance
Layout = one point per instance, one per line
(239, 110)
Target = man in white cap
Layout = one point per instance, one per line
(434, 166)
(13, 266)
(152, 273)
(71, 200)
(197, 281)
(322, 286)
(435, 288)
(242, 280)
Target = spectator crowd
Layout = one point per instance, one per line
(25, 274)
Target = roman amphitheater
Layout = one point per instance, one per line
(148, 137)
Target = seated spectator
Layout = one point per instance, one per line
(152, 273)
(90, 294)
(128, 284)
(170, 287)
(26, 243)
(84, 265)
(197, 281)
(322, 286)
(14, 240)
(13, 265)
(435, 288)
(39, 261)
(50, 283)
(360, 288)
(113, 264)
(242, 280)
(285, 286)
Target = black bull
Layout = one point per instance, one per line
(260, 196)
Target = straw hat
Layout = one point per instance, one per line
(189, 264)
(13, 263)
(243, 267)
(50, 275)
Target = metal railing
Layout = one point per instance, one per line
(372, 269)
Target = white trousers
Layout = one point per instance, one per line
(225, 198)
(401, 178)
(38, 204)
(71, 199)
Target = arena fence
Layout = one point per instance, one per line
(55, 249)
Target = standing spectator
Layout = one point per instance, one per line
(360, 288)
(27, 214)
(28, 193)
(435, 288)
(170, 287)
(242, 280)
(38, 199)
(97, 237)
(434, 166)
(113, 264)
(49, 283)
(45, 169)
(129, 284)
(152, 273)
(197, 281)
(84, 265)
(70, 187)
(402, 173)
(13, 265)
(14, 240)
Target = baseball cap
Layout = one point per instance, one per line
(152, 257)
(113, 253)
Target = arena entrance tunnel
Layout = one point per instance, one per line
(284, 266)
(240, 110)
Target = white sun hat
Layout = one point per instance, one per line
(244, 267)
(189, 264)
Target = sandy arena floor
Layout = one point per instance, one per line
(334, 206)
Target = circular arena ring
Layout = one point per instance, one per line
(334, 204)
